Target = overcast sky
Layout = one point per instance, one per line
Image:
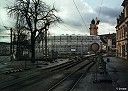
(73, 24)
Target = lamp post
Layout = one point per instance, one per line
(11, 44)
(48, 44)
(82, 46)
(46, 40)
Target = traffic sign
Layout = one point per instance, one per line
(95, 47)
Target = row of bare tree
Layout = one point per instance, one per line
(34, 16)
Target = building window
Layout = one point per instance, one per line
(123, 50)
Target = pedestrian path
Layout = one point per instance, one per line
(87, 84)
(118, 71)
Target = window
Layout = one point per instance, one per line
(123, 50)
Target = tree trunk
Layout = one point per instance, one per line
(32, 48)
(19, 49)
(46, 44)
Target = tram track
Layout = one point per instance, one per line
(36, 75)
(80, 77)
(27, 76)
(75, 82)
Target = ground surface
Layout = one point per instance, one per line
(117, 72)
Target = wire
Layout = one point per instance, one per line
(1, 18)
(9, 1)
(54, 1)
(61, 28)
(1, 22)
(66, 27)
(6, 2)
(100, 8)
(80, 14)
(1, 25)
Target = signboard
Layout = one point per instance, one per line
(95, 47)
(73, 50)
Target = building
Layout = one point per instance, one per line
(4, 49)
(71, 44)
(122, 32)
(94, 27)
(108, 42)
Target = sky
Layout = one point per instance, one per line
(72, 21)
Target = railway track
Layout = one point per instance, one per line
(35, 75)
(80, 77)
(75, 82)
(66, 66)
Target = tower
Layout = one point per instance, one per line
(94, 27)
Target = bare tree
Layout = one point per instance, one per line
(35, 16)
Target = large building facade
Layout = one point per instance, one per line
(122, 32)
(71, 44)
(109, 41)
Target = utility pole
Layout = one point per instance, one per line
(45, 43)
(127, 40)
(77, 45)
(48, 45)
(81, 46)
(11, 45)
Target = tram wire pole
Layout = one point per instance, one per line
(11, 55)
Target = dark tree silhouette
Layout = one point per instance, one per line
(34, 16)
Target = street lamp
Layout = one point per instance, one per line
(82, 46)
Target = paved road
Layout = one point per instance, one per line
(87, 83)
(118, 70)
